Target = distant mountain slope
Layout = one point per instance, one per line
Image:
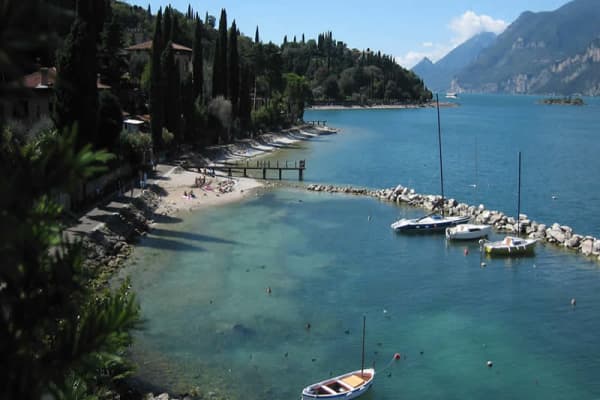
(437, 77)
(522, 58)
(576, 74)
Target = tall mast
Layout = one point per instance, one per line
(362, 363)
(437, 102)
(519, 200)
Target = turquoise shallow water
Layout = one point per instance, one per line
(202, 285)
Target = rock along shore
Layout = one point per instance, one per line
(556, 234)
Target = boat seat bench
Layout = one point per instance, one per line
(328, 389)
(344, 384)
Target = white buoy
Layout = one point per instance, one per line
(483, 265)
(573, 301)
(490, 364)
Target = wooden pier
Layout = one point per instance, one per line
(317, 122)
(263, 166)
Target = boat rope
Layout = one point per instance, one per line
(395, 357)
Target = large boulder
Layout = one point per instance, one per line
(587, 246)
(555, 235)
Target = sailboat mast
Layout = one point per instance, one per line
(362, 363)
(519, 200)
(437, 102)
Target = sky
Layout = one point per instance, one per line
(406, 29)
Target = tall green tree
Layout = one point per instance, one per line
(198, 61)
(296, 93)
(157, 84)
(245, 102)
(167, 30)
(234, 69)
(220, 61)
(172, 94)
(256, 37)
(110, 121)
(76, 92)
(112, 65)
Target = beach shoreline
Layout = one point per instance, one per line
(340, 107)
(192, 172)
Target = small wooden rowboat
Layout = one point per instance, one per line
(346, 386)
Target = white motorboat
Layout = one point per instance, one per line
(468, 231)
(429, 223)
(451, 95)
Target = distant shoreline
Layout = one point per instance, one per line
(379, 106)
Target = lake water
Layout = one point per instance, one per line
(211, 323)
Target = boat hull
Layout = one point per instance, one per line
(510, 247)
(350, 391)
(425, 225)
(468, 232)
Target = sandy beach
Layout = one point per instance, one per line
(184, 188)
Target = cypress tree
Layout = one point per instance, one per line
(256, 37)
(76, 91)
(156, 84)
(167, 25)
(245, 103)
(111, 63)
(198, 62)
(234, 70)
(110, 119)
(172, 98)
(220, 61)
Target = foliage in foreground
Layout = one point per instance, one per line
(57, 336)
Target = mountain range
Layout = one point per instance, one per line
(438, 76)
(546, 52)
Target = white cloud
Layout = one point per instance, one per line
(463, 28)
(470, 24)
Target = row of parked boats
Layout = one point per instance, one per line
(459, 228)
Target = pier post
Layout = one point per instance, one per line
(279, 173)
(228, 171)
(245, 175)
(264, 173)
(300, 174)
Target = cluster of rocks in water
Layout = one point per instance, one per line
(557, 234)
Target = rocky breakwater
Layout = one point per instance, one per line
(557, 234)
(109, 244)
